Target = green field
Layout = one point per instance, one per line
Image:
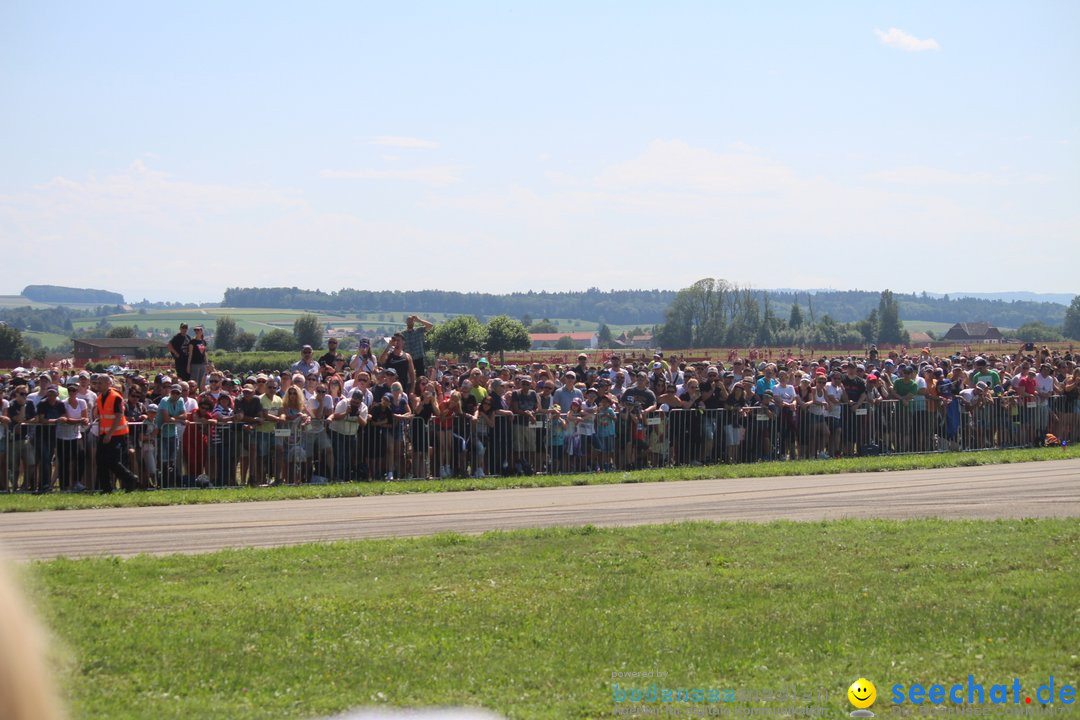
(938, 328)
(533, 624)
(48, 339)
(12, 301)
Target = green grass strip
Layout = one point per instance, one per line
(532, 624)
(67, 501)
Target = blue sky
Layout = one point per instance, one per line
(176, 150)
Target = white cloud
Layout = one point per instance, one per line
(434, 175)
(403, 141)
(897, 38)
(924, 175)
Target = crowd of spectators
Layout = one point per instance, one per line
(386, 415)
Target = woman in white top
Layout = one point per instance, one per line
(837, 396)
(69, 453)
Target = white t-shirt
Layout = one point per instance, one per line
(90, 397)
(348, 426)
(318, 419)
(1044, 387)
(835, 392)
(65, 431)
(784, 394)
(361, 363)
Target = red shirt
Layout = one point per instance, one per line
(1027, 383)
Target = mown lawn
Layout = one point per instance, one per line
(532, 624)
(67, 501)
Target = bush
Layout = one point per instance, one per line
(278, 340)
(242, 363)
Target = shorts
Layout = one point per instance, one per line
(316, 441)
(296, 453)
(169, 447)
(264, 442)
(734, 434)
(524, 438)
(604, 444)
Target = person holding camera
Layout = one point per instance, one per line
(349, 416)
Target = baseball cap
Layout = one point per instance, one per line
(356, 395)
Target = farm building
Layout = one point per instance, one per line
(89, 349)
(973, 332)
(583, 340)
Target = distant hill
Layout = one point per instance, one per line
(644, 307)
(60, 294)
(1061, 298)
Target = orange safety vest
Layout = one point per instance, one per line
(107, 420)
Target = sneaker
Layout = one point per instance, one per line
(444, 471)
(78, 487)
(823, 455)
(479, 473)
(390, 475)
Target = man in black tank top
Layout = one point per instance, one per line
(395, 357)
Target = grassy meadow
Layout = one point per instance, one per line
(533, 624)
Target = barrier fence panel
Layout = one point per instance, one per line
(40, 458)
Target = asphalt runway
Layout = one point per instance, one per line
(1038, 489)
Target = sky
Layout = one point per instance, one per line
(171, 150)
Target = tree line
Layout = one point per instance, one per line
(61, 294)
(715, 313)
(642, 307)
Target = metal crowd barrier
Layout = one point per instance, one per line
(232, 454)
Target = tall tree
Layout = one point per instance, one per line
(603, 334)
(308, 330)
(225, 333)
(504, 333)
(795, 320)
(698, 315)
(245, 341)
(121, 331)
(543, 326)
(868, 327)
(12, 346)
(890, 330)
(1071, 326)
(279, 340)
(458, 337)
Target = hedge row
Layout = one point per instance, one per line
(240, 363)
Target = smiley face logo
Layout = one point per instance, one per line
(862, 693)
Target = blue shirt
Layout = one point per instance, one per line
(306, 368)
(168, 430)
(764, 384)
(563, 397)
